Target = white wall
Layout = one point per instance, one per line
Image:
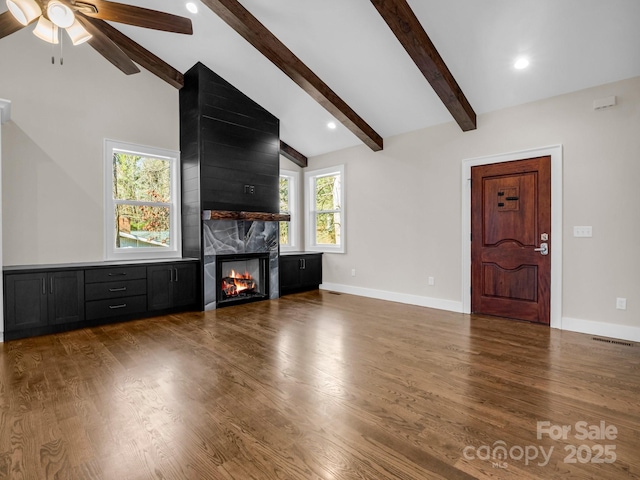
(404, 206)
(52, 184)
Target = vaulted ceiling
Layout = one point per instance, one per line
(356, 52)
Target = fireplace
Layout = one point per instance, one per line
(242, 278)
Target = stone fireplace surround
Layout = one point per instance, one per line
(227, 237)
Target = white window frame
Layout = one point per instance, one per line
(310, 212)
(294, 200)
(142, 253)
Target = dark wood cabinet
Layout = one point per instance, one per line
(66, 297)
(25, 301)
(39, 299)
(300, 272)
(170, 286)
(55, 298)
(115, 292)
(185, 285)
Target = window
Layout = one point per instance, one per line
(289, 231)
(324, 208)
(142, 202)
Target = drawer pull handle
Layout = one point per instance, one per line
(117, 274)
(113, 307)
(121, 289)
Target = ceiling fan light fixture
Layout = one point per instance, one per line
(60, 14)
(24, 11)
(47, 31)
(78, 33)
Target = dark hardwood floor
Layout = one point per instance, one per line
(318, 386)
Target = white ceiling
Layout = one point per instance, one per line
(572, 44)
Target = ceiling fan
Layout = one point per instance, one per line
(85, 21)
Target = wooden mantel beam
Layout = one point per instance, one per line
(293, 155)
(250, 28)
(408, 29)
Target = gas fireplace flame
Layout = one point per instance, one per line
(236, 283)
(235, 274)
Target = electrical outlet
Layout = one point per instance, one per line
(353, 272)
(431, 281)
(621, 303)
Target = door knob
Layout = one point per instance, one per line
(544, 249)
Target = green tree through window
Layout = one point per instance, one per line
(285, 207)
(327, 196)
(142, 196)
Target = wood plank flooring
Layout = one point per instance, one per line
(318, 386)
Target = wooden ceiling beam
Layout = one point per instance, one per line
(292, 154)
(250, 28)
(141, 55)
(409, 31)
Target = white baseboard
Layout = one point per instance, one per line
(623, 332)
(590, 327)
(1, 337)
(436, 303)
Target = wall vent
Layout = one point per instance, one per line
(615, 342)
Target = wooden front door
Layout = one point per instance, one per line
(510, 220)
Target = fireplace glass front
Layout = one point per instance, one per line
(242, 278)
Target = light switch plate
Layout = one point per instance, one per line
(582, 231)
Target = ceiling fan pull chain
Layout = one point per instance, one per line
(60, 38)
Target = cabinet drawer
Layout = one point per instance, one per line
(114, 274)
(121, 288)
(115, 307)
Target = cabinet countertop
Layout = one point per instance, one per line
(82, 265)
(297, 254)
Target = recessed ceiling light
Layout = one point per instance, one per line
(521, 63)
(331, 125)
(192, 7)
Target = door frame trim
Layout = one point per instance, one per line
(555, 152)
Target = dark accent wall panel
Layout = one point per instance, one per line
(190, 172)
(232, 143)
(230, 152)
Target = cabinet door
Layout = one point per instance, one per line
(184, 285)
(66, 297)
(26, 301)
(289, 267)
(311, 271)
(159, 280)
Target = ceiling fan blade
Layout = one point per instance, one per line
(143, 57)
(105, 46)
(140, 17)
(8, 24)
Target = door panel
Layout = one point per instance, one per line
(66, 297)
(506, 283)
(511, 210)
(515, 215)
